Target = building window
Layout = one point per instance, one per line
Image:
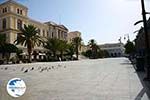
(17, 11)
(4, 23)
(47, 33)
(19, 24)
(58, 34)
(62, 34)
(4, 9)
(21, 12)
(52, 34)
(65, 34)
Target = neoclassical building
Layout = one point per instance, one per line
(72, 35)
(14, 15)
(114, 49)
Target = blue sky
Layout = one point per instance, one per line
(102, 20)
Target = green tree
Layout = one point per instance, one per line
(6, 48)
(52, 44)
(94, 47)
(106, 54)
(129, 47)
(62, 47)
(77, 43)
(2, 43)
(2, 39)
(29, 38)
(70, 50)
(103, 54)
(87, 53)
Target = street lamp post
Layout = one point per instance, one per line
(146, 41)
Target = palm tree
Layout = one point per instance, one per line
(62, 47)
(129, 47)
(52, 44)
(94, 47)
(92, 43)
(29, 38)
(70, 50)
(77, 43)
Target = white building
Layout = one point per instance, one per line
(114, 50)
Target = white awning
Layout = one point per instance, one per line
(42, 54)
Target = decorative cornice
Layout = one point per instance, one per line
(13, 14)
(13, 2)
(9, 29)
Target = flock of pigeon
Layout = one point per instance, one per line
(40, 69)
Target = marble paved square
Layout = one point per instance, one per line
(102, 79)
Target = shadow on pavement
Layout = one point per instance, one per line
(145, 84)
(126, 62)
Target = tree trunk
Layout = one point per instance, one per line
(7, 57)
(77, 53)
(71, 57)
(29, 59)
(54, 53)
(61, 55)
(29, 53)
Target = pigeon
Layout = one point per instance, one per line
(42, 70)
(52, 67)
(6, 68)
(32, 68)
(26, 71)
